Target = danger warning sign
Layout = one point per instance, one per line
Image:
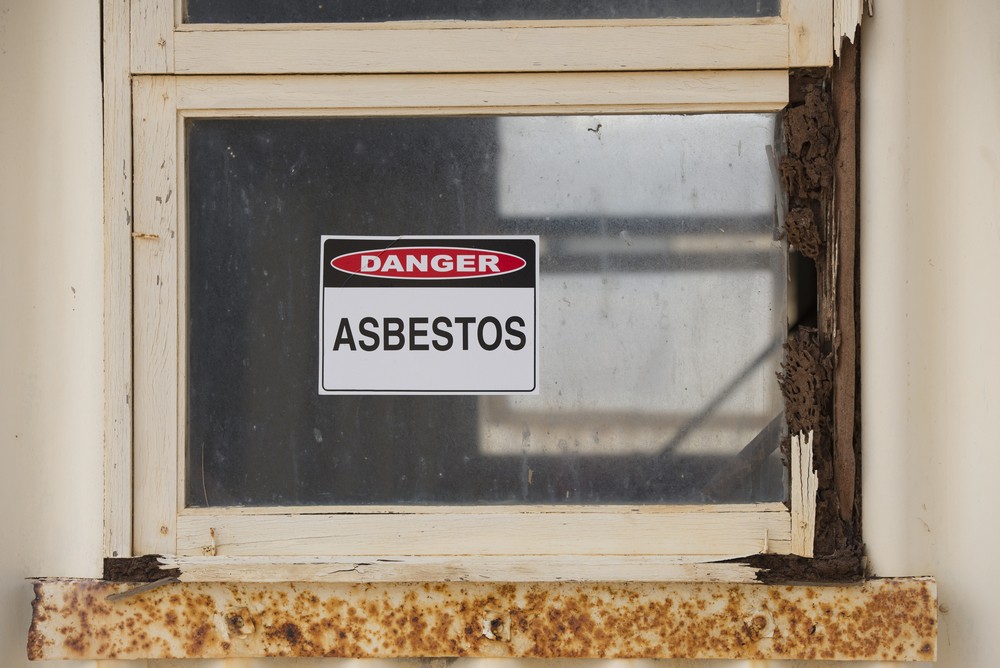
(428, 315)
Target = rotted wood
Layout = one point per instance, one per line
(819, 177)
(844, 85)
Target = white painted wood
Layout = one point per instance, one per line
(720, 531)
(152, 36)
(155, 309)
(753, 90)
(810, 26)
(805, 485)
(483, 49)
(698, 568)
(599, 533)
(117, 281)
(180, 454)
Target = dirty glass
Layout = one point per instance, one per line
(661, 310)
(363, 11)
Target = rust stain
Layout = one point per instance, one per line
(880, 620)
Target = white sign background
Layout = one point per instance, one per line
(452, 371)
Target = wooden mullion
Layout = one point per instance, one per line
(338, 50)
(748, 90)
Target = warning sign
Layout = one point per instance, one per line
(428, 315)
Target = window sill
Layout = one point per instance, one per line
(877, 620)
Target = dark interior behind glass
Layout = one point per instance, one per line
(662, 310)
(363, 11)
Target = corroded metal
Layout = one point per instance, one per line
(879, 620)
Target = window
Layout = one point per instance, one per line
(237, 177)
(654, 230)
(512, 120)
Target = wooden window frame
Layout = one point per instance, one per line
(166, 72)
(163, 44)
(373, 611)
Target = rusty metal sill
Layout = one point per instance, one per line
(890, 619)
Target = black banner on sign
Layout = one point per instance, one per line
(425, 262)
(433, 315)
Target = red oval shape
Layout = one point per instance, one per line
(428, 263)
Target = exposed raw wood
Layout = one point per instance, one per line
(440, 93)
(810, 25)
(152, 36)
(117, 281)
(879, 620)
(847, 16)
(155, 307)
(580, 568)
(844, 96)
(537, 49)
(602, 533)
(805, 484)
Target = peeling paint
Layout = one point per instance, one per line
(893, 619)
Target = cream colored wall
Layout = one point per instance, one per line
(931, 299)
(51, 301)
(931, 267)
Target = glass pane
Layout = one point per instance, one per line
(363, 11)
(661, 310)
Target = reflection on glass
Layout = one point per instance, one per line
(661, 310)
(677, 330)
(359, 11)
